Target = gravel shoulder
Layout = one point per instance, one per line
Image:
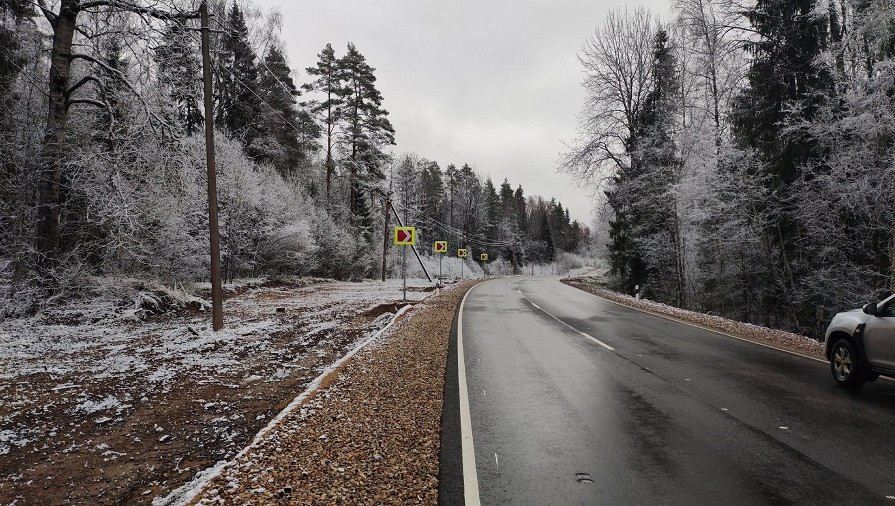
(786, 341)
(369, 435)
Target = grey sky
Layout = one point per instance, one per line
(492, 83)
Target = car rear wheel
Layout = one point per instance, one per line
(844, 365)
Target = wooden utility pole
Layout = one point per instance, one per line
(386, 233)
(217, 312)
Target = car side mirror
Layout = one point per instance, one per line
(870, 308)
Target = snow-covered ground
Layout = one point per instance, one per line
(101, 402)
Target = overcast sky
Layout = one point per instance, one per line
(492, 83)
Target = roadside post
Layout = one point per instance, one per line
(462, 253)
(404, 236)
(440, 247)
(484, 258)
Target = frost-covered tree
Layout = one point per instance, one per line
(177, 54)
(618, 65)
(64, 92)
(240, 102)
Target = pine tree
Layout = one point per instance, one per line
(452, 177)
(656, 167)
(492, 212)
(432, 188)
(365, 126)
(240, 103)
(521, 211)
(180, 75)
(328, 111)
(546, 236)
(285, 132)
(784, 79)
(509, 231)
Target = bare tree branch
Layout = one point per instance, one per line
(93, 102)
(82, 82)
(139, 9)
(124, 80)
(50, 15)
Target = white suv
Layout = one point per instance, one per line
(861, 343)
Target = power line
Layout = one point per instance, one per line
(219, 18)
(252, 91)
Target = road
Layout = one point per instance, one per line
(573, 399)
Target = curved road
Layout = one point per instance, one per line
(573, 399)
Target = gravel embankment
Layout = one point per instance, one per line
(776, 338)
(370, 434)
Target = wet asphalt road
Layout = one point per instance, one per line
(673, 415)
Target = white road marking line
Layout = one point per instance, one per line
(470, 477)
(496, 461)
(601, 343)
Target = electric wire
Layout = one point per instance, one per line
(244, 85)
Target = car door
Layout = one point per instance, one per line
(879, 337)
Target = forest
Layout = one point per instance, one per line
(103, 172)
(745, 155)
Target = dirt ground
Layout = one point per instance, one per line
(183, 398)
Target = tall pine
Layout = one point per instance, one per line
(327, 110)
(181, 75)
(285, 131)
(643, 231)
(240, 102)
(366, 129)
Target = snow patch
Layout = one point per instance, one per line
(89, 407)
(9, 438)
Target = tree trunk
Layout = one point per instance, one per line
(892, 260)
(330, 166)
(49, 182)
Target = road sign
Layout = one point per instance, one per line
(440, 246)
(483, 257)
(462, 253)
(405, 236)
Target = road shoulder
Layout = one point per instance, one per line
(777, 339)
(370, 434)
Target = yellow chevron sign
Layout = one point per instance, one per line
(462, 253)
(405, 236)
